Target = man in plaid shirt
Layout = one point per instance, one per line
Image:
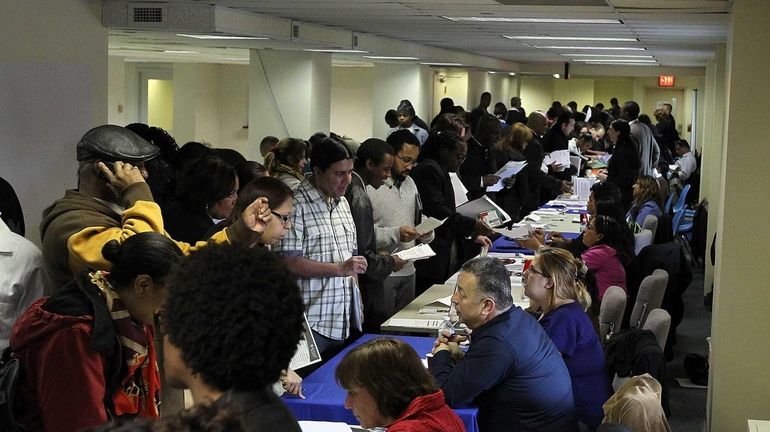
(320, 247)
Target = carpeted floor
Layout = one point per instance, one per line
(688, 405)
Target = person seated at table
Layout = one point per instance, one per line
(388, 386)
(606, 191)
(646, 200)
(231, 324)
(554, 284)
(512, 371)
(607, 253)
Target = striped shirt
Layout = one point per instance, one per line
(322, 230)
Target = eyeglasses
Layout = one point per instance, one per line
(533, 269)
(158, 319)
(286, 219)
(407, 160)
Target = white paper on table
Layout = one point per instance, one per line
(533, 217)
(546, 211)
(321, 426)
(509, 169)
(429, 225)
(461, 194)
(419, 252)
(577, 161)
(440, 305)
(560, 157)
(517, 232)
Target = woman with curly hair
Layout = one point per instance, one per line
(405, 399)
(554, 283)
(646, 200)
(232, 323)
(287, 160)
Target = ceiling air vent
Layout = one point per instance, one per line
(294, 32)
(148, 15)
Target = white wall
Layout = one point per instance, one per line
(394, 82)
(52, 89)
(116, 91)
(451, 83)
(351, 102)
(233, 103)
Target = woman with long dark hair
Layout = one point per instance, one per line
(646, 200)
(607, 253)
(87, 351)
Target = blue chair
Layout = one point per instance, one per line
(682, 198)
(669, 200)
(681, 228)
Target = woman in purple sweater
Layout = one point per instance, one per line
(554, 283)
(646, 200)
(607, 253)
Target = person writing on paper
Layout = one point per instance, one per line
(372, 167)
(510, 148)
(397, 210)
(321, 249)
(554, 283)
(512, 371)
(230, 358)
(443, 153)
(404, 399)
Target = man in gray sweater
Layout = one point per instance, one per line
(397, 209)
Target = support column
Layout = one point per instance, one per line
(289, 94)
(195, 103)
(395, 82)
(477, 84)
(739, 378)
(713, 146)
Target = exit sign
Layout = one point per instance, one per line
(665, 80)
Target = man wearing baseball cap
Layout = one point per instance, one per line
(113, 201)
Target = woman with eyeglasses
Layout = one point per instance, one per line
(87, 352)
(607, 254)
(206, 194)
(554, 283)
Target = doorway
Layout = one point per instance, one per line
(156, 101)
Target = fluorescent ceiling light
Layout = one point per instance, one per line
(620, 63)
(593, 60)
(512, 73)
(234, 59)
(573, 38)
(441, 64)
(536, 20)
(220, 37)
(334, 50)
(609, 55)
(592, 48)
(557, 76)
(180, 52)
(390, 58)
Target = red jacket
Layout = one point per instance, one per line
(63, 385)
(428, 413)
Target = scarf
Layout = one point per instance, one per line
(285, 169)
(139, 389)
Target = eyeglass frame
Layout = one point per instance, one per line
(286, 219)
(412, 163)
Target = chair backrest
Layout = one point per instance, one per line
(677, 220)
(680, 202)
(611, 312)
(667, 206)
(650, 297)
(651, 223)
(658, 322)
(642, 239)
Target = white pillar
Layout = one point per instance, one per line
(739, 377)
(395, 82)
(289, 94)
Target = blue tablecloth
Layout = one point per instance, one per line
(325, 400)
(508, 245)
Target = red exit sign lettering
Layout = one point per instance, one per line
(665, 80)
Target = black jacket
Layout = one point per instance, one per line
(478, 163)
(536, 178)
(259, 410)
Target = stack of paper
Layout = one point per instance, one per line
(582, 186)
(440, 305)
(517, 232)
(560, 157)
(419, 252)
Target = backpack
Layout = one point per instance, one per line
(9, 381)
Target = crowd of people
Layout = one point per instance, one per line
(221, 257)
